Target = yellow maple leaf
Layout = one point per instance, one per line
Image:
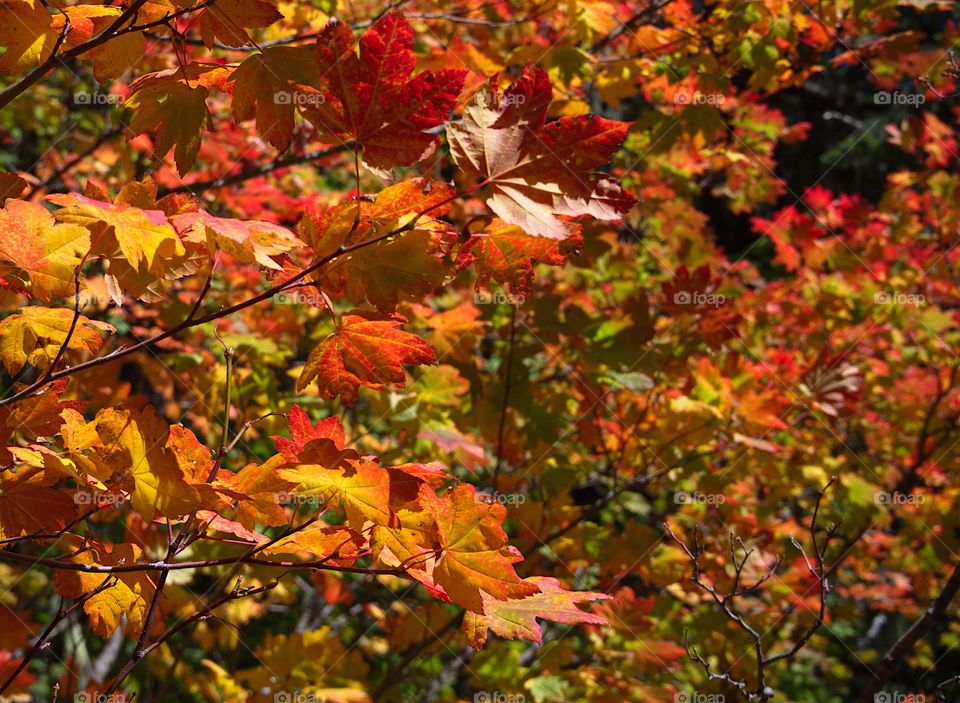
(128, 595)
(362, 487)
(41, 254)
(36, 334)
(26, 30)
(142, 235)
(135, 445)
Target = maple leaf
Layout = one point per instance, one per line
(33, 246)
(538, 172)
(112, 58)
(83, 21)
(11, 186)
(256, 488)
(143, 236)
(689, 292)
(42, 415)
(340, 545)
(134, 447)
(409, 542)
(507, 254)
(194, 459)
(124, 601)
(517, 619)
(323, 443)
(474, 556)
(211, 520)
(366, 349)
(172, 105)
(361, 487)
(456, 332)
(266, 87)
(226, 20)
(248, 241)
(28, 506)
(196, 463)
(370, 98)
(27, 32)
(133, 235)
(36, 334)
(410, 264)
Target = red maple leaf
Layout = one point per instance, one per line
(367, 95)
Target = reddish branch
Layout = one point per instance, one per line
(199, 564)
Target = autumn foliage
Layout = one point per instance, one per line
(448, 351)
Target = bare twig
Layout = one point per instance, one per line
(726, 601)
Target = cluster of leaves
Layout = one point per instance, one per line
(335, 342)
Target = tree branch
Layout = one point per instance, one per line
(903, 646)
